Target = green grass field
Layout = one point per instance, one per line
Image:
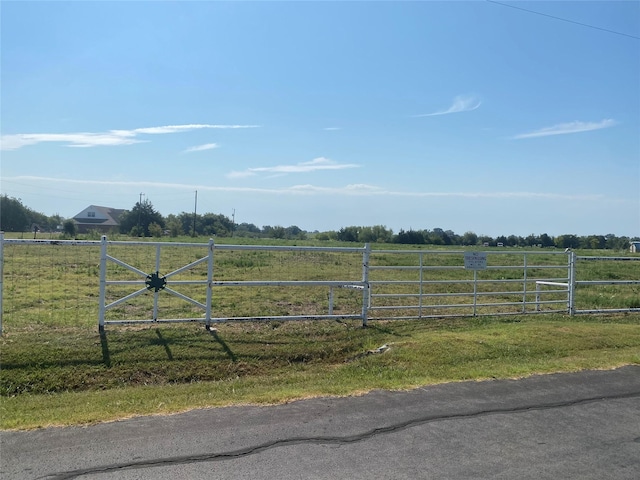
(56, 369)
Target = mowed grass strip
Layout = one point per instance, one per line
(70, 376)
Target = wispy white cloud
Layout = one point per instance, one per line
(372, 190)
(85, 139)
(462, 103)
(101, 139)
(331, 129)
(566, 128)
(309, 190)
(240, 174)
(316, 164)
(185, 128)
(200, 148)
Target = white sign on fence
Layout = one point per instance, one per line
(475, 260)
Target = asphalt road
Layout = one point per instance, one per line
(567, 426)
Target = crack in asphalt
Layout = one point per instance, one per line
(343, 440)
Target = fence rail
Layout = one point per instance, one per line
(438, 283)
(616, 268)
(64, 282)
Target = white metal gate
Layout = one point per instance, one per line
(159, 284)
(154, 282)
(605, 276)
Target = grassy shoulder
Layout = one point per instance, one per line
(70, 376)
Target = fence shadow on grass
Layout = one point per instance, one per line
(106, 355)
(213, 332)
(162, 341)
(104, 344)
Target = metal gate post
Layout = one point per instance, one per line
(209, 285)
(156, 294)
(524, 284)
(475, 291)
(421, 285)
(1, 275)
(103, 282)
(572, 283)
(330, 300)
(365, 283)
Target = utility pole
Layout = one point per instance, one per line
(195, 208)
(233, 221)
(139, 212)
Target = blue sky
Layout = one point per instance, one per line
(513, 118)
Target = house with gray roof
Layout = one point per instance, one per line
(102, 219)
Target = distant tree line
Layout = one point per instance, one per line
(438, 236)
(15, 217)
(144, 220)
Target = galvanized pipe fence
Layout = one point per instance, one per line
(613, 281)
(439, 283)
(124, 282)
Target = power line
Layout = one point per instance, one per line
(565, 20)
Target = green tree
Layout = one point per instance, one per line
(502, 239)
(438, 237)
(616, 243)
(247, 230)
(294, 232)
(174, 225)
(55, 221)
(187, 221)
(567, 241)
(377, 233)
(38, 220)
(69, 229)
(14, 217)
(486, 239)
(410, 237)
(546, 240)
(349, 234)
(277, 232)
(454, 237)
(532, 240)
(155, 230)
(597, 241)
(140, 217)
(214, 224)
(469, 238)
(515, 241)
(382, 234)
